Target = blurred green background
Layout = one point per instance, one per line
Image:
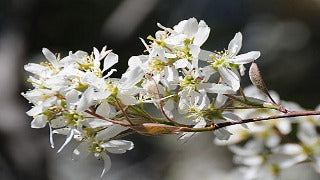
(287, 32)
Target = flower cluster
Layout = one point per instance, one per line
(266, 148)
(195, 90)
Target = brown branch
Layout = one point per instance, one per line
(287, 115)
(214, 126)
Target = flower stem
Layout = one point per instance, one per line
(107, 119)
(123, 112)
(214, 126)
(287, 115)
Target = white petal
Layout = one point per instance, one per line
(106, 162)
(51, 136)
(171, 74)
(86, 100)
(235, 44)
(194, 50)
(62, 131)
(307, 133)
(109, 73)
(249, 161)
(35, 68)
(222, 134)
(230, 78)
(175, 40)
(284, 126)
(119, 144)
(170, 55)
(220, 100)
(96, 53)
(136, 61)
(104, 109)
(165, 28)
(202, 33)
(206, 72)
(289, 161)
(39, 122)
(273, 140)
(245, 58)
(216, 88)
(109, 61)
(127, 99)
(132, 77)
(111, 132)
(180, 26)
(101, 95)
(58, 122)
(181, 63)
(168, 108)
(190, 27)
(242, 69)
(205, 101)
(145, 44)
(35, 110)
(242, 151)
(50, 56)
(68, 139)
(204, 55)
(72, 97)
(95, 123)
(289, 149)
(168, 72)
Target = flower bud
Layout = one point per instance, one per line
(256, 78)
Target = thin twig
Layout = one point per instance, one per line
(214, 126)
(107, 119)
(144, 114)
(241, 107)
(161, 106)
(290, 114)
(124, 112)
(123, 135)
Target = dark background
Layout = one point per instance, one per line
(287, 32)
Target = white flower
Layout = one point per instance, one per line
(227, 62)
(193, 81)
(191, 29)
(101, 145)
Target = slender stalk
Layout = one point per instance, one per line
(161, 106)
(167, 117)
(289, 114)
(241, 107)
(214, 127)
(143, 113)
(123, 135)
(124, 112)
(107, 119)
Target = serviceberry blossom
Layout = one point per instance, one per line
(77, 97)
(227, 62)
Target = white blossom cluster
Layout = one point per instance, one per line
(192, 88)
(266, 148)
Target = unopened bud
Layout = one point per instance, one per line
(256, 78)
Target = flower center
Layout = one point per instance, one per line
(220, 59)
(189, 82)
